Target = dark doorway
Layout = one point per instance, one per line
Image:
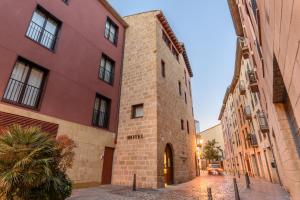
(107, 165)
(168, 165)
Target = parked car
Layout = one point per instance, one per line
(215, 169)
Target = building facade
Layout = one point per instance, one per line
(247, 146)
(61, 64)
(156, 138)
(272, 31)
(213, 133)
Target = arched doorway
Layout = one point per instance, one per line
(168, 165)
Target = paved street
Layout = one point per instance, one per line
(222, 189)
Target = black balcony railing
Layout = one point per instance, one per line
(253, 140)
(244, 47)
(41, 35)
(106, 75)
(242, 88)
(20, 93)
(252, 77)
(247, 112)
(100, 118)
(264, 127)
(253, 84)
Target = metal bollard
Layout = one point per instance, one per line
(209, 195)
(247, 180)
(134, 183)
(236, 190)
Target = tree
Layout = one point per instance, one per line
(211, 151)
(30, 162)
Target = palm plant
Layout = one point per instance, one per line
(27, 163)
(26, 156)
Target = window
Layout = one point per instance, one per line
(175, 53)
(190, 87)
(111, 31)
(163, 70)
(170, 45)
(254, 8)
(106, 70)
(166, 39)
(185, 77)
(179, 87)
(138, 111)
(25, 84)
(43, 28)
(188, 126)
(182, 124)
(185, 97)
(101, 111)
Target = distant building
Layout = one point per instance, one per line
(156, 135)
(197, 126)
(213, 133)
(202, 137)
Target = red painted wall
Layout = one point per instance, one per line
(73, 79)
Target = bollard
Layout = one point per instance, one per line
(134, 183)
(236, 190)
(247, 180)
(209, 195)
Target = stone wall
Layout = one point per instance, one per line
(163, 109)
(139, 86)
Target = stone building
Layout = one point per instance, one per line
(60, 69)
(156, 134)
(272, 29)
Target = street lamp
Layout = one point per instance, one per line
(201, 141)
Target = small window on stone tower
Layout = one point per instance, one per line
(163, 69)
(138, 111)
(182, 124)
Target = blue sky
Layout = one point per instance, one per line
(208, 33)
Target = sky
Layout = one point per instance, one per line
(206, 29)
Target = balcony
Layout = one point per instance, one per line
(252, 81)
(247, 112)
(244, 46)
(41, 35)
(242, 88)
(263, 123)
(253, 140)
(20, 93)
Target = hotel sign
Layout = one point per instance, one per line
(135, 137)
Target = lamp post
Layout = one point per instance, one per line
(201, 154)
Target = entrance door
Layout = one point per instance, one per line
(168, 166)
(107, 165)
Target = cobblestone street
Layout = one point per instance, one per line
(222, 189)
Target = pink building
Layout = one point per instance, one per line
(272, 31)
(60, 68)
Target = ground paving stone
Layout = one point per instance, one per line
(222, 189)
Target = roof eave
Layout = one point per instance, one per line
(234, 10)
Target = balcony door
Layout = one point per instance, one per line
(24, 85)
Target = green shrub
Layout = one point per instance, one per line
(33, 165)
